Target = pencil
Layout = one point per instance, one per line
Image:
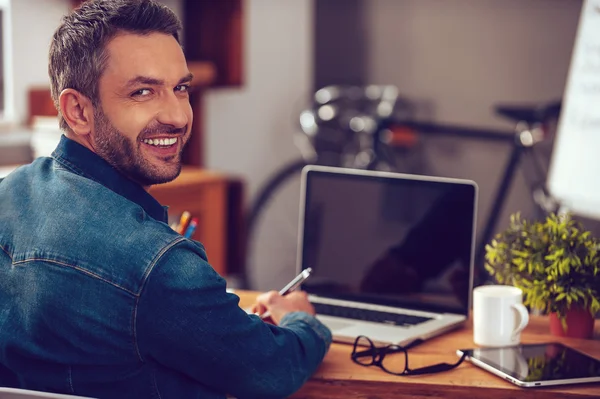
(191, 228)
(183, 221)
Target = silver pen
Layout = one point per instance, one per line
(291, 286)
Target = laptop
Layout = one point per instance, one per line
(391, 254)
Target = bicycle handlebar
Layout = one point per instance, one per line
(372, 108)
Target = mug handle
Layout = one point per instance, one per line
(524, 316)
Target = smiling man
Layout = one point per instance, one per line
(98, 296)
(141, 118)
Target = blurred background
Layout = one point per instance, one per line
(446, 65)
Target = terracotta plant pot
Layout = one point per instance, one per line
(580, 324)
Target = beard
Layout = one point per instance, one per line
(126, 155)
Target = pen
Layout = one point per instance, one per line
(185, 217)
(296, 282)
(191, 228)
(291, 286)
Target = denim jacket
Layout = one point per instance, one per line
(100, 297)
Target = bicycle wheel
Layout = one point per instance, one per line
(272, 230)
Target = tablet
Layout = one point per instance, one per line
(535, 365)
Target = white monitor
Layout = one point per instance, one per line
(574, 175)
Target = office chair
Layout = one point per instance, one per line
(13, 393)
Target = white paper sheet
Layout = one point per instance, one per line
(574, 176)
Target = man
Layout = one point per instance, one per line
(98, 296)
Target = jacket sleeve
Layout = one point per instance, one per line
(186, 321)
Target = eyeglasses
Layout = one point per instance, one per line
(367, 354)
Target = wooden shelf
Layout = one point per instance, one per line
(216, 200)
(204, 73)
(213, 30)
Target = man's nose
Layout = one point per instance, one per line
(173, 112)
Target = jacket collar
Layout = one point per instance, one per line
(88, 164)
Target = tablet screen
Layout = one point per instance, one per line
(539, 362)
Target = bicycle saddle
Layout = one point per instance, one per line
(529, 114)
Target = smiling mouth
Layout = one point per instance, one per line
(161, 142)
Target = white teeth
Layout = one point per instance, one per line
(163, 142)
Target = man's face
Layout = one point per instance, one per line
(144, 117)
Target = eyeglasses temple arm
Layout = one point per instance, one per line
(437, 368)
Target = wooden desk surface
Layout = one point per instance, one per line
(338, 377)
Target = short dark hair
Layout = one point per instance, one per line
(78, 54)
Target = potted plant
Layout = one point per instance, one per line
(557, 265)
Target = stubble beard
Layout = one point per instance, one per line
(127, 156)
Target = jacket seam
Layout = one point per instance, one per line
(70, 373)
(73, 168)
(7, 253)
(85, 271)
(156, 384)
(142, 285)
(59, 166)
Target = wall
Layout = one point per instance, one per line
(33, 23)
(31, 33)
(341, 39)
(249, 130)
(463, 57)
(467, 55)
(459, 57)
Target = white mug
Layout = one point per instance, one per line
(498, 315)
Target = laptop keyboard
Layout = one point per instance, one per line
(369, 315)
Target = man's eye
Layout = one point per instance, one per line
(141, 92)
(182, 88)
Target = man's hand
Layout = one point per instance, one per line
(278, 306)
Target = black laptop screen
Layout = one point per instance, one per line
(387, 240)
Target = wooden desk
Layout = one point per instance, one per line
(207, 196)
(338, 377)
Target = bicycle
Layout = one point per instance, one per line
(366, 128)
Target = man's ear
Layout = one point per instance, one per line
(77, 110)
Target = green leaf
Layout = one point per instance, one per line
(595, 305)
(522, 254)
(553, 261)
